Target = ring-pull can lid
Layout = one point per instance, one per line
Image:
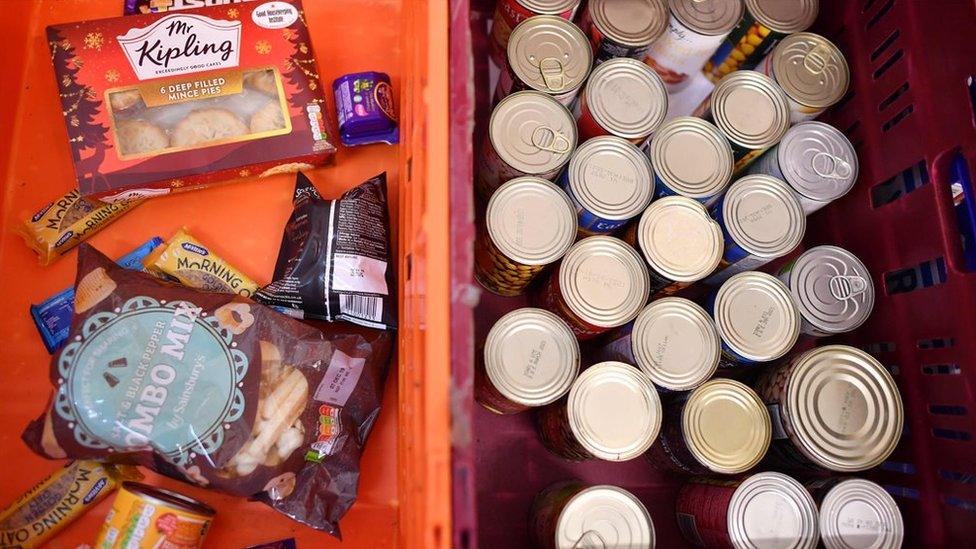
(675, 343)
(858, 513)
(549, 7)
(810, 69)
(844, 407)
(632, 23)
(784, 16)
(750, 109)
(611, 177)
(818, 161)
(604, 517)
(708, 17)
(550, 54)
(531, 221)
(614, 411)
(832, 289)
(772, 510)
(604, 281)
(726, 426)
(626, 97)
(692, 157)
(679, 239)
(532, 132)
(763, 216)
(756, 317)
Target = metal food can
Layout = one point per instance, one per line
(751, 110)
(834, 408)
(761, 220)
(529, 133)
(147, 517)
(697, 437)
(622, 97)
(855, 512)
(763, 24)
(756, 319)
(691, 158)
(610, 182)
(572, 515)
(696, 28)
(612, 413)
(530, 358)
(623, 28)
(547, 54)
(811, 70)
(673, 341)
(601, 283)
(763, 510)
(832, 289)
(816, 160)
(509, 13)
(680, 241)
(529, 223)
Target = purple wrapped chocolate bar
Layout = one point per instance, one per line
(364, 104)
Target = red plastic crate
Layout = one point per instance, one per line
(910, 114)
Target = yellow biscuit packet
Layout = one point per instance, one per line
(66, 222)
(186, 260)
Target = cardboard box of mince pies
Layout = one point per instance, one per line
(168, 101)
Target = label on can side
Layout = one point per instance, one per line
(661, 189)
(138, 521)
(556, 434)
(546, 508)
(492, 171)
(680, 52)
(748, 42)
(686, 523)
(508, 14)
(783, 452)
(702, 510)
(498, 273)
(551, 299)
(488, 395)
(779, 432)
(605, 49)
(588, 222)
(670, 452)
(620, 346)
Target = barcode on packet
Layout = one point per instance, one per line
(362, 306)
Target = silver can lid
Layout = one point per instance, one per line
(632, 23)
(611, 177)
(750, 109)
(614, 411)
(531, 221)
(810, 69)
(679, 239)
(784, 16)
(675, 343)
(772, 510)
(726, 426)
(858, 513)
(531, 356)
(844, 407)
(832, 289)
(549, 7)
(756, 316)
(604, 281)
(708, 17)
(604, 517)
(692, 157)
(763, 216)
(550, 54)
(532, 132)
(818, 161)
(626, 97)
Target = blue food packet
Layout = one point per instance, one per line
(53, 315)
(364, 105)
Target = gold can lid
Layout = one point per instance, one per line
(784, 16)
(604, 517)
(756, 317)
(763, 216)
(614, 411)
(604, 281)
(750, 109)
(626, 97)
(708, 17)
(772, 510)
(692, 157)
(549, 7)
(532, 132)
(633, 23)
(611, 177)
(675, 343)
(832, 289)
(726, 426)
(550, 54)
(858, 513)
(531, 221)
(844, 408)
(810, 69)
(818, 161)
(531, 356)
(679, 239)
